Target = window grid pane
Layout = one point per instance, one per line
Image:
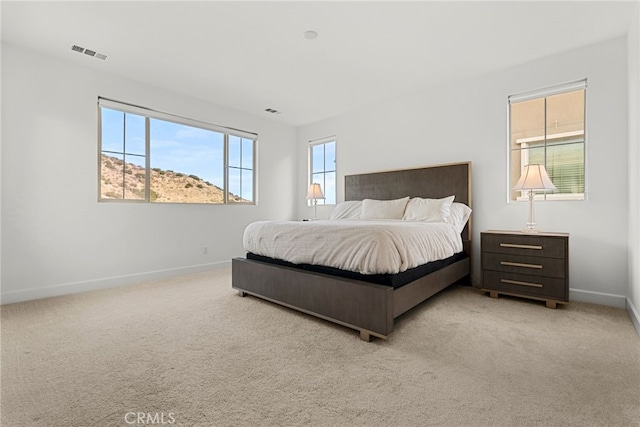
(235, 186)
(330, 186)
(247, 154)
(134, 141)
(112, 130)
(235, 148)
(134, 177)
(317, 159)
(247, 185)
(330, 157)
(111, 176)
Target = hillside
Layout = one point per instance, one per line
(166, 186)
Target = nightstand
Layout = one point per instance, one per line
(530, 265)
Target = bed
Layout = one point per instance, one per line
(349, 300)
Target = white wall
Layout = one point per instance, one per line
(633, 302)
(466, 120)
(56, 237)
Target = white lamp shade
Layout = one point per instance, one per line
(315, 192)
(534, 177)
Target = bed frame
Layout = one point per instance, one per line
(367, 307)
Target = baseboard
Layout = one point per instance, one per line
(107, 282)
(601, 298)
(634, 315)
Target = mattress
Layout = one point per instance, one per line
(393, 280)
(366, 247)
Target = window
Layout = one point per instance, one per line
(322, 167)
(548, 127)
(148, 156)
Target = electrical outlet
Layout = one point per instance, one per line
(205, 250)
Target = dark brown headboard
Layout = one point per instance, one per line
(429, 182)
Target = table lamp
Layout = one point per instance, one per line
(315, 193)
(534, 177)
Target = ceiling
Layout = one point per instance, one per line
(251, 56)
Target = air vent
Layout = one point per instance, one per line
(272, 111)
(89, 52)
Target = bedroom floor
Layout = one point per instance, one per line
(190, 350)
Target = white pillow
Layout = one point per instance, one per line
(459, 215)
(383, 209)
(430, 210)
(347, 210)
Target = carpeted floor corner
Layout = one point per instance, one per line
(193, 352)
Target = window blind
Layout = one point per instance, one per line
(548, 91)
(142, 111)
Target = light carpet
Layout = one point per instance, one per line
(189, 351)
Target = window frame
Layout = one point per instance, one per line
(149, 114)
(538, 94)
(314, 143)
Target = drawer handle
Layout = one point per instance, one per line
(516, 282)
(519, 264)
(513, 245)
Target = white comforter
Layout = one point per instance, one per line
(363, 246)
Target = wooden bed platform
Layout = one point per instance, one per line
(366, 307)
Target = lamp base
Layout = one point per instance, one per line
(530, 231)
(531, 228)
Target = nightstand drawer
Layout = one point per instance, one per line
(524, 284)
(539, 246)
(535, 266)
